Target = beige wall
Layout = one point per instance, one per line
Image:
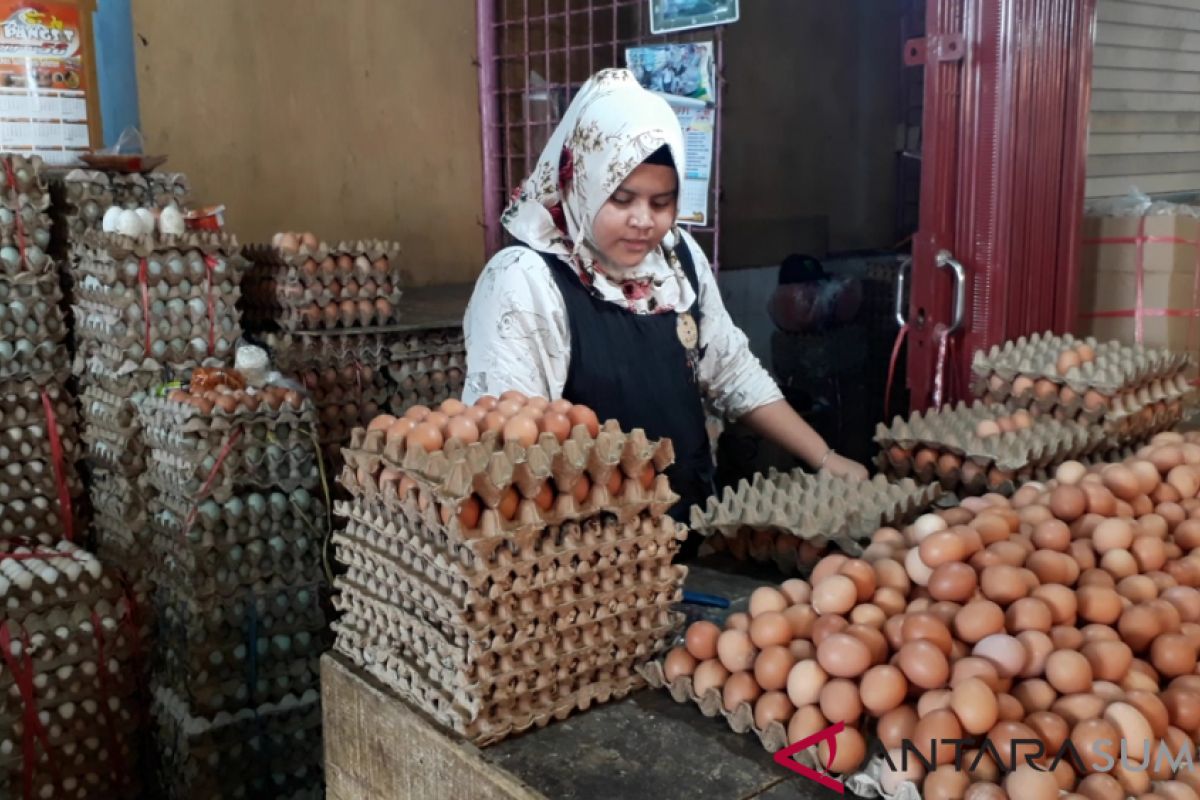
(350, 118)
(811, 110)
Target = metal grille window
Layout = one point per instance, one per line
(534, 55)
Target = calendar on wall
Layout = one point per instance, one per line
(47, 79)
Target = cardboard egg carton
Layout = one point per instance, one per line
(38, 516)
(207, 694)
(30, 583)
(150, 189)
(271, 295)
(110, 250)
(21, 404)
(202, 622)
(36, 478)
(93, 767)
(23, 180)
(955, 430)
(163, 413)
(169, 275)
(79, 199)
(28, 297)
(31, 441)
(1116, 366)
(270, 750)
(428, 375)
(809, 506)
(210, 574)
(557, 554)
(242, 516)
(505, 718)
(295, 265)
(25, 241)
(489, 467)
(296, 351)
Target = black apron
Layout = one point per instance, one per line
(634, 368)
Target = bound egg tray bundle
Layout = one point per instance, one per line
(79, 198)
(427, 380)
(32, 330)
(148, 189)
(120, 521)
(211, 441)
(315, 286)
(150, 302)
(71, 650)
(298, 351)
(1128, 387)
(981, 448)
(812, 507)
(37, 458)
(269, 751)
(24, 223)
(494, 605)
(112, 433)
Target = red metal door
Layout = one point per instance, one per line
(1007, 86)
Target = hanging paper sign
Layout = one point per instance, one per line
(45, 79)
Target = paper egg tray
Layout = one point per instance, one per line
(270, 751)
(1116, 366)
(953, 430)
(77, 771)
(29, 304)
(489, 467)
(171, 474)
(295, 351)
(21, 404)
(112, 249)
(809, 506)
(428, 376)
(213, 573)
(23, 179)
(35, 517)
(789, 554)
(270, 260)
(170, 275)
(150, 190)
(79, 199)
(111, 432)
(178, 345)
(215, 621)
(36, 478)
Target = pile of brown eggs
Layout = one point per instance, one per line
(1068, 613)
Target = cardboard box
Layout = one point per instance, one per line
(1108, 279)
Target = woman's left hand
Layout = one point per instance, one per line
(843, 467)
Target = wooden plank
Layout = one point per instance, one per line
(1126, 122)
(1105, 78)
(1114, 11)
(379, 748)
(1153, 102)
(1150, 184)
(1142, 164)
(1133, 58)
(1186, 5)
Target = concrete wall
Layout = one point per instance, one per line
(811, 110)
(353, 119)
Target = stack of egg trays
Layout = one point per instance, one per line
(805, 507)
(149, 189)
(29, 474)
(429, 377)
(521, 619)
(151, 302)
(74, 640)
(237, 535)
(1135, 391)
(25, 226)
(789, 553)
(79, 199)
(272, 750)
(942, 445)
(348, 285)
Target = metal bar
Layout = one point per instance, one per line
(485, 45)
(526, 157)
(718, 91)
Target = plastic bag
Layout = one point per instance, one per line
(1138, 204)
(130, 142)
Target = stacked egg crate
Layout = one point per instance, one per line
(498, 586)
(792, 518)
(353, 378)
(1132, 391)
(70, 642)
(147, 311)
(237, 532)
(979, 448)
(39, 490)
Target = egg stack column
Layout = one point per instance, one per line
(237, 518)
(148, 309)
(39, 491)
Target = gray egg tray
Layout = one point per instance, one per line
(38, 516)
(271, 750)
(21, 404)
(150, 190)
(23, 180)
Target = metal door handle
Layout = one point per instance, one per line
(946, 259)
(905, 265)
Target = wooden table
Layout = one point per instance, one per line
(644, 747)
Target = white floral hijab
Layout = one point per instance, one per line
(611, 127)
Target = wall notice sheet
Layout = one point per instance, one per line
(43, 83)
(699, 126)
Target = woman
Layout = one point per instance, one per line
(608, 303)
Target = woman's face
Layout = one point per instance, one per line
(637, 216)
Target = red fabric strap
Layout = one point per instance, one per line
(226, 448)
(143, 281)
(59, 463)
(32, 730)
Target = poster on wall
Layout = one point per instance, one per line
(681, 15)
(685, 69)
(699, 123)
(43, 80)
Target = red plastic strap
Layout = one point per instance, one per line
(33, 732)
(106, 693)
(210, 263)
(36, 554)
(891, 375)
(212, 476)
(59, 462)
(133, 629)
(12, 182)
(143, 281)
